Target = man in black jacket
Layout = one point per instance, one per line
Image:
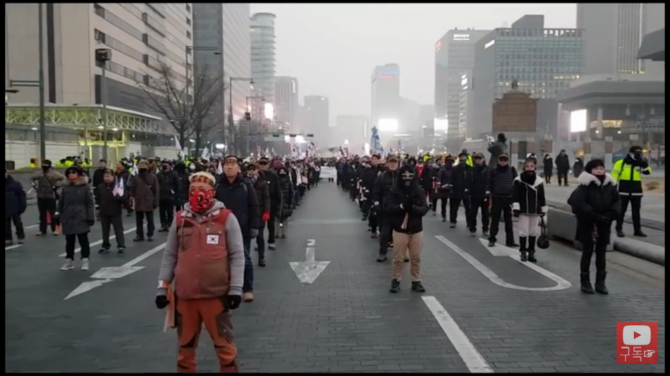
(562, 168)
(460, 180)
(479, 196)
(385, 181)
(239, 196)
(15, 205)
(272, 179)
(170, 185)
(368, 179)
(501, 186)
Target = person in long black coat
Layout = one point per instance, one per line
(15, 205)
(596, 204)
(76, 208)
(548, 164)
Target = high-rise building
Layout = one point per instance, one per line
(386, 101)
(263, 55)
(613, 33)
(544, 61)
(139, 35)
(353, 128)
(287, 102)
(315, 116)
(465, 107)
(221, 47)
(454, 55)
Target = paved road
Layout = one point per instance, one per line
(346, 320)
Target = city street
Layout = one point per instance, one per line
(484, 311)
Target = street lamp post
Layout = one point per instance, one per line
(231, 123)
(102, 56)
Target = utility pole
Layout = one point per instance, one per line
(40, 42)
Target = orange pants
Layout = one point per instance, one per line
(189, 318)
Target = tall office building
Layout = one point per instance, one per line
(139, 35)
(263, 55)
(613, 33)
(385, 89)
(315, 117)
(287, 102)
(544, 61)
(454, 55)
(221, 48)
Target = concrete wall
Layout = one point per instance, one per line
(21, 151)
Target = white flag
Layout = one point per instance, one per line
(205, 154)
(135, 169)
(118, 188)
(219, 169)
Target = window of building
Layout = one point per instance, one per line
(188, 21)
(188, 34)
(188, 7)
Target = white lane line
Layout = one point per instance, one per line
(31, 226)
(98, 242)
(561, 284)
(144, 256)
(471, 357)
(13, 247)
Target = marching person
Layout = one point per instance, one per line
(122, 173)
(264, 207)
(529, 203)
(47, 183)
(287, 200)
(15, 205)
(562, 168)
(501, 187)
(548, 162)
(383, 185)
(239, 196)
(183, 175)
(406, 205)
(272, 181)
(76, 209)
(444, 186)
(204, 256)
(460, 186)
(170, 185)
(368, 179)
(479, 195)
(145, 194)
(109, 197)
(627, 173)
(596, 203)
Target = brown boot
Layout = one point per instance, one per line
(248, 297)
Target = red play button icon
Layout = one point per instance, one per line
(636, 334)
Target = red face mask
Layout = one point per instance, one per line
(201, 200)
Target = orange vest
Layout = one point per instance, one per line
(202, 269)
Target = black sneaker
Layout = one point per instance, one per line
(103, 250)
(8, 243)
(382, 257)
(139, 239)
(418, 287)
(121, 249)
(620, 234)
(150, 238)
(473, 232)
(395, 286)
(492, 243)
(261, 263)
(163, 229)
(452, 225)
(21, 241)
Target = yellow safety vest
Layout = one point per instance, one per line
(629, 178)
(467, 161)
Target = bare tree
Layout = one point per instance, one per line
(189, 115)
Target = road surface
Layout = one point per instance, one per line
(346, 320)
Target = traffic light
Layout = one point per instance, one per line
(247, 116)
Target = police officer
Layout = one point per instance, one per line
(628, 173)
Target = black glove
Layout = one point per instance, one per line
(516, 212)
(90, 222)
(643, 164)
(605, 220)
(233, 301)
(162, 301)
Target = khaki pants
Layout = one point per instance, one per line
(401, 244)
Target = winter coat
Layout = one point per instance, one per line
(169, 184)
(548, 166)
(595, 204)
(145, 190)
(562, 163)
(426, 178)
(415, 199)
(287, 192)
(460, 180)
(274, 189)
(98, 177)
(496, 149)
(15, 197)
(479, 182)
(528, 196)
(383, 185)
(47, 184)
(184, 185)
(501, 181)
(240, 197)
(109, 205)
(262, 195)
(76, 207)
(444, 181)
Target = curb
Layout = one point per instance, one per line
(640, 249)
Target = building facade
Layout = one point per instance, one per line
(454, 54)
(613, 33)
(287, 102)
(353, 128)
(139, 35)
(385, 93)
(544, 61)
(315, 115)
(263, 55)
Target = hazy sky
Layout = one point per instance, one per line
(333, 48)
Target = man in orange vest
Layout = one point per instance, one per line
(204, 255)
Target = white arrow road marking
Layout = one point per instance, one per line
(108, 274)
(309, 270)
(98, 242)
(471, 357)
(561, 284)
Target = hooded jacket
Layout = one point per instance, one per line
(15, 197)
(76, 207)
(406, 202)
(528, 194)
(595, 203)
